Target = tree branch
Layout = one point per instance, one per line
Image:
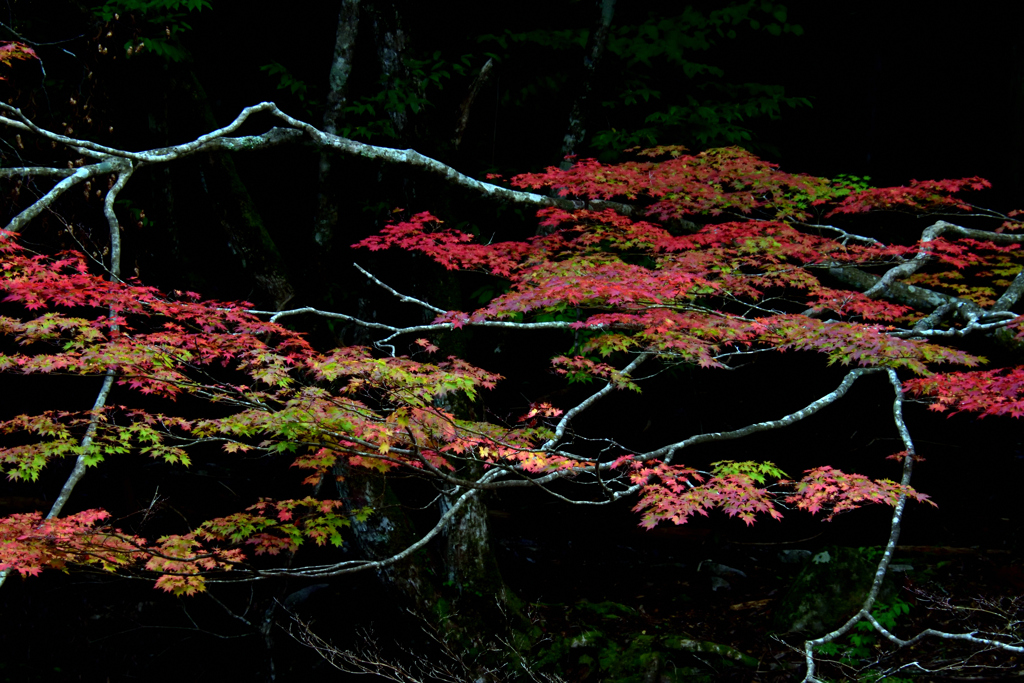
(81, 462)
(219, 140)
(890, 547)
(667, 452)
(82, 174)
(352, 566)
(570, 414)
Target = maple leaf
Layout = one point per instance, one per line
(619, 289)
(427, 346)
(181, 585)
(988, 392)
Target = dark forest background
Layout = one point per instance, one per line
(893, 91)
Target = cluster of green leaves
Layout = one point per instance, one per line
(610, 641)
(860, 646)
(702, 107)
(366, 118)
(745, 280)
(298, 88)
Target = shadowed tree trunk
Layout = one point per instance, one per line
(462, 122)
(385, 533)
(391, 41)
(1017, 118)
(236, 213)
(596, 43)
(456, 586)
(456, 589)
(326, 219)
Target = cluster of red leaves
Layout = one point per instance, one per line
(919, 196)
(645, 289)
(620, 284)
(674, 493)
(190, 332)
(11, 51)
(988, 392)
(717, 181)
(827, 489)
(450, 248)
(29, 543)
(630, 285)
(732, 180)
(168, 346)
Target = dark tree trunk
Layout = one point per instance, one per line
(467, 104)
(456, 590)
(596, 43)
(391, 41)
(326, 220)
(237, 215)
(1017, 121)
(385, 533)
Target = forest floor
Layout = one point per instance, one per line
(612, 603)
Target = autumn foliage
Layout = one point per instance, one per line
(720, 255)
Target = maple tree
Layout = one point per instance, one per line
(672, 260)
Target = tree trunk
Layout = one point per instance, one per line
(325, 221)
(385, 533)
(472, 571)
(596, 43)
(391, 41)
(455, 590)
(237, 214)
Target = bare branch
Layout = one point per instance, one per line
(90, 433)
(844, 236)
(219, 140)
(666, 452)
(404, 298)
(1012, 294)
(563, 424)
(352, 566)
(890, 547)
(78, 176)
(115, 228)
(910, 295)
(36, 170)
(931, 233)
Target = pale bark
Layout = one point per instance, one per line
(326, 219)
(896, 522)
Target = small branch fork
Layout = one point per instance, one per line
(111, 160)
(122, 164)
(506, 477)
(944, 306)
(864, 614)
